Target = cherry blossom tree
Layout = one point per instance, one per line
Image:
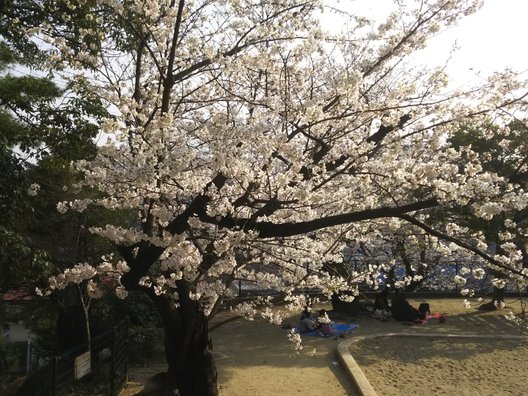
(251, 144)
(506, 155)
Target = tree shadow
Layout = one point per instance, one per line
(246, 345)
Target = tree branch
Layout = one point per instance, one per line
(458, 242)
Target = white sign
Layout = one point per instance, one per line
(83, 365)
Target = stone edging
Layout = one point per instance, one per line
(359, 379)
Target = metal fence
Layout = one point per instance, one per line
(100, 369)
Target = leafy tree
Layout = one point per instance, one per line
(45, 123)
(37, 120)
(252, 145)
(505, 154)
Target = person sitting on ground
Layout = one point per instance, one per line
(307, 322)
(425, 308)
(325, 324)
(382, 310)
(403, 311)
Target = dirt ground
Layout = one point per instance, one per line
(255, 358)
(444, 367)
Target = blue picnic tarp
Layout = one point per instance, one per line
(339, 329)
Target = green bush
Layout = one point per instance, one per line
(10, 358)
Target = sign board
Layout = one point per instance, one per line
(83, 365)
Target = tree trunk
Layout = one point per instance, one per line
(406, 260)
(188, 348)
(353, 307)
(498, 297)
(86, 316)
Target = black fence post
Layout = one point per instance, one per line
(54, 376)
(112, 360)
(126, 348)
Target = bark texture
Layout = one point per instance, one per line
(188, 348)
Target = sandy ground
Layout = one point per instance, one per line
(444, 367)
(255, 358)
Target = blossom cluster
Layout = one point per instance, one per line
(256, 146)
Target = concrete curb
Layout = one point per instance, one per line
(357, 375)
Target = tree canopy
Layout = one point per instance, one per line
(252, 144)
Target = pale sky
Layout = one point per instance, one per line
(490, 40)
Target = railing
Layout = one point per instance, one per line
(98, 369)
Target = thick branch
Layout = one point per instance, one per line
(197, 207)
(270, 230)
(384, 130)
(139, 265)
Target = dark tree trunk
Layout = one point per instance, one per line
(406, 260)
(389, 280)
(498, 296)
(71, 327)
(341, 306)
(188, 348)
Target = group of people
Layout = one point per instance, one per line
(400, 309)
(320, 322)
